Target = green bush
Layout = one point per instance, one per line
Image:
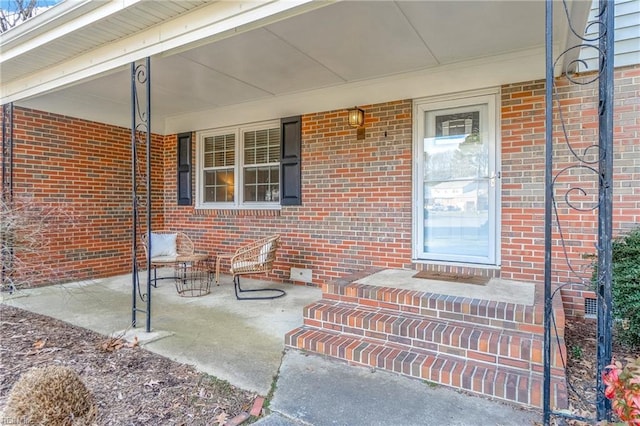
(626, 287)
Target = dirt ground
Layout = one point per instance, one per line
(580, 338)
(131, 385)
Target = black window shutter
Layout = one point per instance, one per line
(290, 161)
(184, 169)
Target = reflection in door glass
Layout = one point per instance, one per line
(456, 184)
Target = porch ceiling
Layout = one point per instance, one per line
(325, 48)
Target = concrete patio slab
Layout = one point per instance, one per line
(237, 341)
(243, 342)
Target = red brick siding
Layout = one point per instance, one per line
(356, 210)
(357, 194)
(81, 171)
(523, 179)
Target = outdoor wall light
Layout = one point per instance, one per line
(356, 117)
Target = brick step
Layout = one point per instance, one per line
(489, 379)
(512, 348)
(502, 315)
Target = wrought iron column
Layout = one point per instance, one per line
(605, 202)
(141, 184)
(7, 185)
(7, 152)
(548, 198)
(603, 173)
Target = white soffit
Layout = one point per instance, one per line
(459, 77)
(117, 37)
(224, 63)
(79, 27)
(359, 40)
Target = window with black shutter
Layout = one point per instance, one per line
(250, 166)
(184, 169)
(290, 161)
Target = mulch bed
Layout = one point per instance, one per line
(131, 385)
(580, 339)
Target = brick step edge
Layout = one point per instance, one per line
(503, 346)
(500, 382)
(528, 318)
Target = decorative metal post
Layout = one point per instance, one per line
(605, 203)
(548, 217)
(7, 152)
(141, 183)
(7, 187)
(602, 174)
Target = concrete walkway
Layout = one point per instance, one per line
(312, 390)
(243, 342)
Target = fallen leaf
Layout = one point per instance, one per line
(39, 344)
(134, 343)
(111, 344)
(221, 419)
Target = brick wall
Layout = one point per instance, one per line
(78, 173)
(357, 194)
(523, 168)
(356, 208)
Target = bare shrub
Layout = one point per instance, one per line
(25, 227)
(53, 395)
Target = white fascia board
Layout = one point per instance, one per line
(65, 22)
(204, 25)
(471, 75)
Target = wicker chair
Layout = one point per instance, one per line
(177, 254)
(184, 247)
(255, 258)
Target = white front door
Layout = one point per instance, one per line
(456, 190)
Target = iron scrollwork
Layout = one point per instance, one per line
(588, 195)
(6, 247)
(141, 180)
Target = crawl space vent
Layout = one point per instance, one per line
(590, 307)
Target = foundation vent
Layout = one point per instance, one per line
(590, 307)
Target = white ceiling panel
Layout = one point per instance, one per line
(195, 81)
(357, 40)
(457, 30)
(83, 105)
(265, 61)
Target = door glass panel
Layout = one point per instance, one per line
(457, 185)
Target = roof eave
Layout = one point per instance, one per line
(572, 20)
(52, 18)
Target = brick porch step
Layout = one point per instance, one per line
(511, 348)
(486, 347)
(503, 315)
(498, 381)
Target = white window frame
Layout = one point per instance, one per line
(491, 98)
(238, 168)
